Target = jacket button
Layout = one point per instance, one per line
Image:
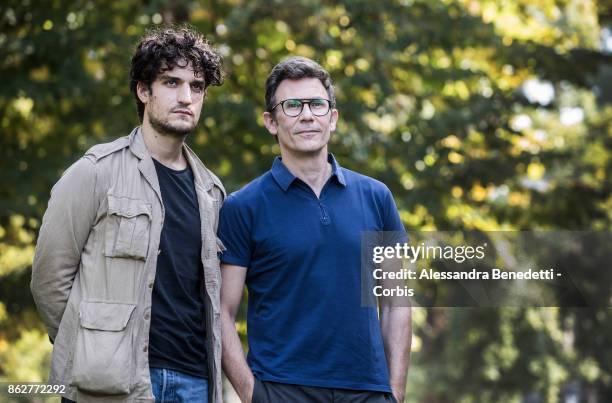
(158, 251)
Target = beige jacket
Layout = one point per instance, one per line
(95, 264)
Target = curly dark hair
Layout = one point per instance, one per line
(162, 49)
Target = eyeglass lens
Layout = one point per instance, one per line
(293, 107)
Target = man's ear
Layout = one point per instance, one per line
(270, 123)
(143, 92)
(333, 120)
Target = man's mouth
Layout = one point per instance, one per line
(183, 112)
(308, 131)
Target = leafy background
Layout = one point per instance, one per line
(479, 115)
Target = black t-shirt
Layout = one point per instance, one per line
(177, 338)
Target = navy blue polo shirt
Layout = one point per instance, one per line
(306, 325)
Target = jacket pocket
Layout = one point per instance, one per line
(104, 354)
(128, 228)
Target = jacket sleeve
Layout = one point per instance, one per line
(65, 228)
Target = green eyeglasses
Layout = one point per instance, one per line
(294, 107)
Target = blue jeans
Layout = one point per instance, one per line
(174, 387)
(177, 387)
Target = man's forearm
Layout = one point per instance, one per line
(396, 324)
(234, 364)
(53, 272)
(50, 304)
(64, 231)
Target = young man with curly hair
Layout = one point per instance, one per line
(126, 275)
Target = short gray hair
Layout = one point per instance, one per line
(295, 68)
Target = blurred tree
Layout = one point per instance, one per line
(480, 115)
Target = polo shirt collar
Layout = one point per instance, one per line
(285, 178)
(281, 174)
(336, 171)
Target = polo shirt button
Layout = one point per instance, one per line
(151, 284)
(147, 316)
(145, 349)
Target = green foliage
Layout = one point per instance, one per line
(432, 102)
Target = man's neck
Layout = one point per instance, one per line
(167, 149)
(314, 170)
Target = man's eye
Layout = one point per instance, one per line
(317, 103)
(171, 83)
(197, 87)
(293, 104)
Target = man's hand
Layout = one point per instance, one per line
(246, 394)
(398, 394)
(396, 329)
(234, 364)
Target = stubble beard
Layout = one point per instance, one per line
(165, 128)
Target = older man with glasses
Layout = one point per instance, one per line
(293, 236)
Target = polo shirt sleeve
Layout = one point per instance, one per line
(392, 224)
(234, 231)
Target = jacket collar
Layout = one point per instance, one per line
(139, 149)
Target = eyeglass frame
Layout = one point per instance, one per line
(303, 101)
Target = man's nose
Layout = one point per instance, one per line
(184, 94)
(306, 113)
